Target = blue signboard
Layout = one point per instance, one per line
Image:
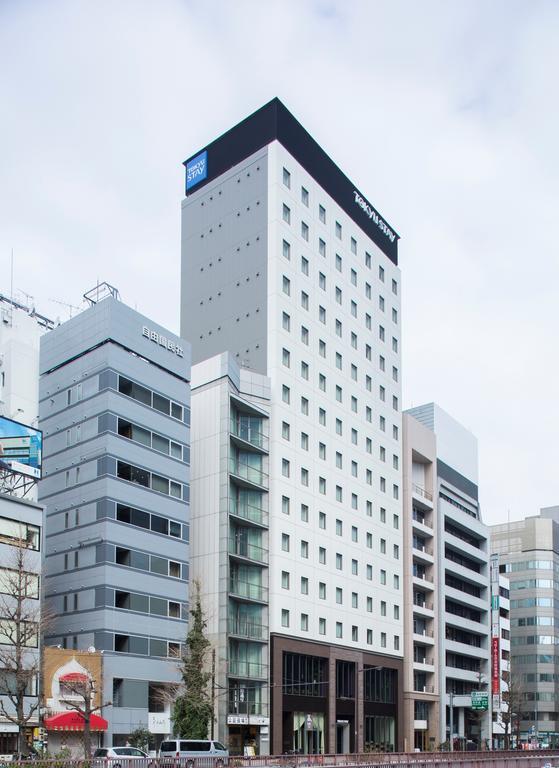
(196, 170)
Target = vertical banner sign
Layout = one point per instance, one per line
(495, 633)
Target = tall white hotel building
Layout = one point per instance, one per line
(296, 440)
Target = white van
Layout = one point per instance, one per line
(195, 748)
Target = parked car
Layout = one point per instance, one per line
(119, 757)
(191, 749)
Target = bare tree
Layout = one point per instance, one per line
(82, 692)
(511, 711)
(21, 626)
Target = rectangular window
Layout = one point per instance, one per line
(304, 266)
(383, 576)
(322, 348)
(322, 555)
(304, 300)
(285, 542)
(322, 520)
(284, 617)
(321, 590)
(286, 321)
(304, 406)
(339, 629)
(304, 476)
(354, 600)
(339, 561)
(285, 394)
(304, 513)
(338, 262)
(285, 579)
(305, 335)
(322, 281)
(322, 213)
(353, 245)
(369, 637)
(338, 230)
(304, 622)
(304, 585)
(286, 357)
(285, 467)
(354, 634)
(339, 595)
(321, 247)
(322, 314)
(322, 626)
(322, 417)
(286, 215)
(354, 533)
(286, 250)
(322, 485)
(394, 287)
(285, 502)
(285, 430)
(353, 277)
(354, 567)
(286, 285)
(305, 234)
(286, 178)
(305, 196)
(381, 274)
(304, 370)
(304, 441)
(305, 549)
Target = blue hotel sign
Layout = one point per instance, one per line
(196, 170)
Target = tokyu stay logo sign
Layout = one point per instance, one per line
(372, 214)
(196, 170)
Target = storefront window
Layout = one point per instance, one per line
(379, 733)
(308, 733)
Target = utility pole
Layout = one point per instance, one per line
(213, 693)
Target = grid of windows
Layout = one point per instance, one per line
(346, 409)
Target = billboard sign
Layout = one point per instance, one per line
(21, 448)
(196, 170)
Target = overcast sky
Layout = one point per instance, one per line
(445, 114)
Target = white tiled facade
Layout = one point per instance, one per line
(360, 500)
(276, 272)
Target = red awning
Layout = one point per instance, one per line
(73, 677)
(73, 721)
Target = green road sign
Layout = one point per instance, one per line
(480, 700)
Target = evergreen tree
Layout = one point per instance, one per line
(192, 710)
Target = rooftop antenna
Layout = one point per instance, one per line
(66, 304)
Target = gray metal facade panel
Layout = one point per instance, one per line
(111, 319)
(232, 255)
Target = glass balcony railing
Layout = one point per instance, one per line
(240, 668)
(243, 548)
(239, 704)
(248, 590)
(247, 629)
(247, 511)
(249, 434)
(247, 472)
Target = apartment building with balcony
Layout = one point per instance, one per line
(230, 555)
(421, 651)
(464, 618)
(288, 267)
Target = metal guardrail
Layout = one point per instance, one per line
(481, 759)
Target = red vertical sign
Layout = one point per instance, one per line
(495, 666)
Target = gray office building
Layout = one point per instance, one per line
(114, 408)
(529, 555)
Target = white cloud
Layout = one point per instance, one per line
(444, 114)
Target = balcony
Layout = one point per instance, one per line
(248, 669)
(423, 580)
(247, 474)
(420, 688)
(245, 435)
(422, 496)
(424, 661)
(242, 549)
(248, 512)
(246, 590)
(247, 629)
(422, 553)
(423, 636)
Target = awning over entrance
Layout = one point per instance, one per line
(73, 721)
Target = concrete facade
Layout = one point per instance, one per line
(421, 587)
(21, 532)
(115, 412)
(464, 599)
